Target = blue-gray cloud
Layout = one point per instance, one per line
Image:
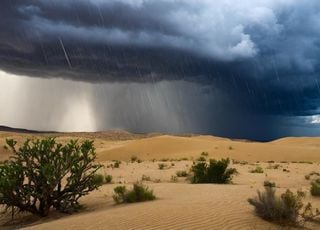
(264, 55)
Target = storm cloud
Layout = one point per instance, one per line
(261, 56)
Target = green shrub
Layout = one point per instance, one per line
(286, 209)
(182, 173)
(133, 158)
(174, 178)
(162, 166)
(269, 184)
(139, 193)
(315, 188)
(201, 158)
(98, 179)
(184, 159)
(164, 159)
(205, 154)
(258, 169)
(214, 172)
(108, 179)
(43, 174)
(145, 178)
(116, 164)
(275, 166)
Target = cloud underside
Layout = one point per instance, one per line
(263, 54)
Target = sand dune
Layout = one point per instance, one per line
(181, 205)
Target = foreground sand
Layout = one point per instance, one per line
(181, 205)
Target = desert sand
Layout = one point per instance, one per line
(179, 204)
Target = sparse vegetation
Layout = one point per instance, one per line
(274, 166)
(214, 172)
(145, 178)
(162, 166)
(98, 179)
(116, 164)
(184, 159)
(258, 169)
(201, 158)
(33, 179)
(205, 154)
(108, 179)
(174, 179)
(287, 209)
(269, 184)
(182, 173)
(315, 188)
(139, 193)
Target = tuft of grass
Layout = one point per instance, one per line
(286, 209)
(275, 166)
(258, 169)
(116, 164)
(269, 184)
(230, 148)
(184, 158)
(139, 193)
(108, 179)
(205, 154)
(174, 179)
(134, 158)
(164, 159)
(145, 178)
(286, 170)
(201, 158)
(162, 166)
(315, 188)
(182, 173)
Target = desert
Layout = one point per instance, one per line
(155, 160)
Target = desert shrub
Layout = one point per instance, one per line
(116, 164)
(174, 178)
(162, 166)
(164, 159)
(307, 177)
(269, 184)
(182, 173)
(258, 169)
(205, 154)
(98, 179)
(201, 158)
(212, 172)
(286, 209)
(315, 188)
(43, 174)
(230, 148)
(184, 158)
(139, 193)
(313, 173)
(133, 158)
(108, 179)
(274, 166)
(145, 178)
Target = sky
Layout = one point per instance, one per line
(240, 69)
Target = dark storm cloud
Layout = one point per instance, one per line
(264, 54)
